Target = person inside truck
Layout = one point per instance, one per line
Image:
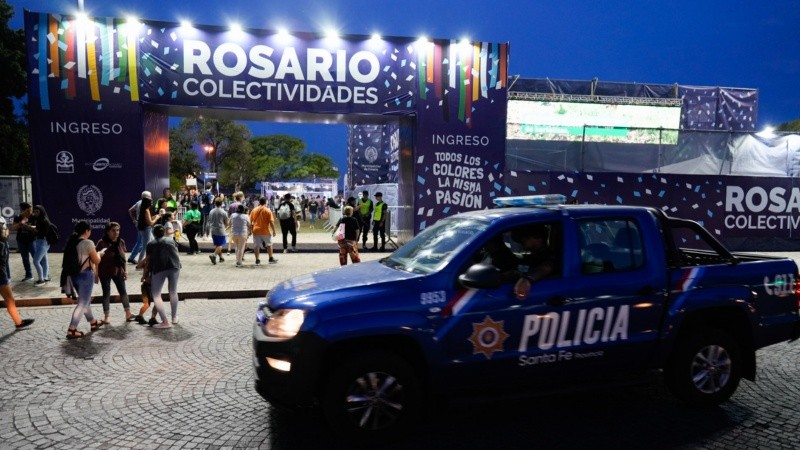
(539, 259)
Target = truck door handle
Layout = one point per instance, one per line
(647, 290)
(559, 301)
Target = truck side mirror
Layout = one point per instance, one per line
(481, 276)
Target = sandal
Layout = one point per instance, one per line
(96, 324)
(72, 333)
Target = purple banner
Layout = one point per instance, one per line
(461, 120)
(730, 207)
(373, 153)
(265, 70)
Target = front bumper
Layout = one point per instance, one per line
(295, 388)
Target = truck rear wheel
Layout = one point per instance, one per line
(372, 396)
(705, 368)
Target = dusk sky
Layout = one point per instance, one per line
(732, 43)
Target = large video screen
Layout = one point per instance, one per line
(593, 122)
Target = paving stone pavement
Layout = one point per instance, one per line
(191, 386)
(199, 278)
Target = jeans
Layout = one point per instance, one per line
(83, 284)
(40, 263)
(157, 283)
(26, 251)
(137, 247)
(145, 236)
(105, 283)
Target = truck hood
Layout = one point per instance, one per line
(341, 285)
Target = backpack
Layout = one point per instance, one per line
(70, 265)
(284, 211)
(52, 235)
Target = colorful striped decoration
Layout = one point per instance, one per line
(72, 50)
(467, 70)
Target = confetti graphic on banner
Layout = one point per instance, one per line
(467, 70)
(89, 58)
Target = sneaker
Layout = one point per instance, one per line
(238, 264)
(131, 262)
(174, 320)
(285, 251)
(152, 322)
(258, 261)
(27, 278)
(273, 260)
(25, 323)
(39, 282)
(162, 325)
(221, 259)
(213, 259)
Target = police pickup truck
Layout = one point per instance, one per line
(522, 299)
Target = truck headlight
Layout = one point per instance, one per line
(285, 323)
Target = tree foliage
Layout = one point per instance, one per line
(282, 157)
(182, 159)
(794, 126)
(222, 140)
(14, 146)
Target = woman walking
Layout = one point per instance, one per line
(352, 230)
(40, 246)
(145, 221)
(81, 254)
(163, 264)
(241, 229)
(112, 268)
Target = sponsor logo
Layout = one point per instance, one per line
(488, 337)
(65, 163)
(760, 209)
(103, 164)
(90, 199)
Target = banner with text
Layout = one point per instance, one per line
(461, 123)
(730, 207)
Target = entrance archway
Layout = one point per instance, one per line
(100, 89)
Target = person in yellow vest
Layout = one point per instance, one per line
(379, 223)
(365, 208)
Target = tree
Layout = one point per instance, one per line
(221, 139)
(282, 157)
(239, 168)
(794, 125)
(182, 159)
(14, 147)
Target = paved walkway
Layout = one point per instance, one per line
(199, 278)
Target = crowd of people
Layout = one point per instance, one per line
(159, 224)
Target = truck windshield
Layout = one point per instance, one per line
(432, 249)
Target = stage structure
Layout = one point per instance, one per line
(101, 90)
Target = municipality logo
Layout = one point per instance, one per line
(371, 153)
(65, 163)
(90, 199)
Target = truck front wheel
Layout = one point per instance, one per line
(372, 396)
(705, 368)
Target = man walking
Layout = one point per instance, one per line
(218, 222)
(133, 214)
(263, 229)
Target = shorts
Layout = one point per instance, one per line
(219, 241)
(265, 238)
(4, 281)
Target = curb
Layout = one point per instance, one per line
(137, 298)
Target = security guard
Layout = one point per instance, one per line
(379, 223)
(365, 208)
